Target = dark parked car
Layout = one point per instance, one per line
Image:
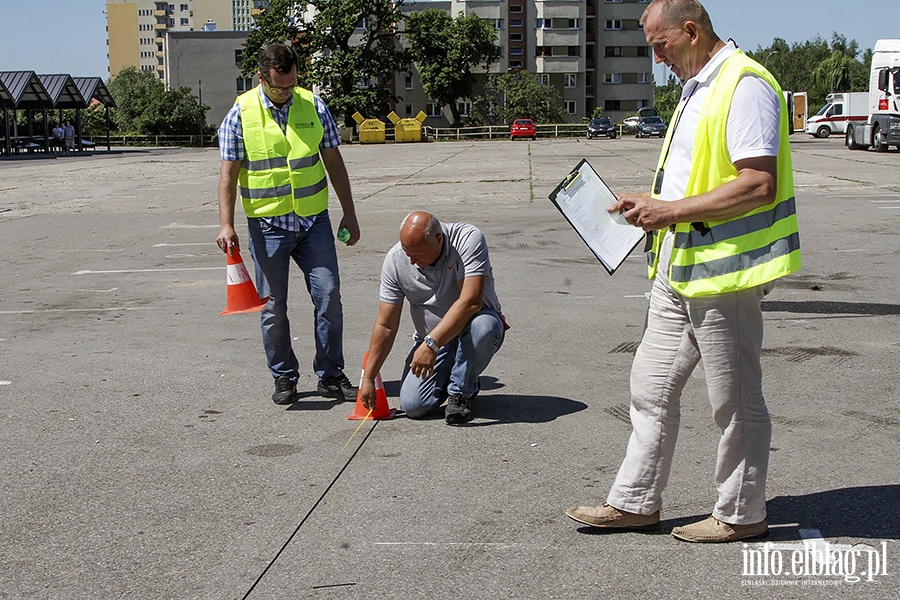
(651, 126)
(631, 124)
(601, 127)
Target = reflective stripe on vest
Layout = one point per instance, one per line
(753, 248)
(283, 171)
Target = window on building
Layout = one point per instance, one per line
(184, 22)
(433, 109)
(464, 108)
(571, 107)
(612, 105)
(515, 64)
(569, 80)
(515, 37)
(612, 78)
(515, 22)
(543, 51)
(613, 24)
(409, 110)
(516, 51)
(644, 77)
(574, 51)
(613, 1)
(408, 83)
(643, 51)
(516, 9)
(572, 23)
(185, 8)
(496, 23)
(613, 51)
(237, 56)
(543, 23)
(244, 84)
(544, 78)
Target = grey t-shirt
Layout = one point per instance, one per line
(431, 291)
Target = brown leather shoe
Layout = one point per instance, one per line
(712, 531)
(610, 517)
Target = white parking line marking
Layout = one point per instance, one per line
(186, 244)
(177, 225)
(57, 310)
(100, 291)
(88, 272)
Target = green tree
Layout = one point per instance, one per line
(666, 97)
(817, 67)
(134, 92)
(518, 96)
(145, 107)
(346, 49)
(445, 50)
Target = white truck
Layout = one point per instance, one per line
(882, 127)
(839, 110)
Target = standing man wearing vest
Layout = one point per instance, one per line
(277, 143)
(723, 224)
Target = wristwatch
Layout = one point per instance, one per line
(429, 341)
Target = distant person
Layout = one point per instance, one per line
(445, 273)
(276, 143)
(58, 140)
(723, 223)
(69, 137)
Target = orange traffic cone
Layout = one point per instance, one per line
(381, 410)
(242, 296)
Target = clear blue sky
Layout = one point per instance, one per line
(69, 36)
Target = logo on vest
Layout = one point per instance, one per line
(303, 124)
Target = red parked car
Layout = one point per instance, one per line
(522, 128)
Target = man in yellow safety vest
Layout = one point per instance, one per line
(723, 226)
(277, 142)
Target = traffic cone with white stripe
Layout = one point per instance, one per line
(381, 410)
(242, 296)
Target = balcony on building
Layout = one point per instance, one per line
(161, 26)
(160, 13)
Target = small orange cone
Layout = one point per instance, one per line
(381, 410)
(242, 296)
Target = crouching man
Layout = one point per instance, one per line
(444, 271)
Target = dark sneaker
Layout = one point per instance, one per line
(458, 410)
(338, 386)
(285, 390)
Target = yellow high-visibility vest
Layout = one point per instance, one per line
(751, 249)
(282, 171)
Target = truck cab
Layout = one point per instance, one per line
(882, 128)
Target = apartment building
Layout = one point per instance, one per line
(136, 29)
(592, 51)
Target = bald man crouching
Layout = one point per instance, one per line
(444, 271)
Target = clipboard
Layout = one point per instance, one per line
(582, 198)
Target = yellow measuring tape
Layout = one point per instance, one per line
(366, 418)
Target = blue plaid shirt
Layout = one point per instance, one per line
(231, 147)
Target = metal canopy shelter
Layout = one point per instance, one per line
(25, 90)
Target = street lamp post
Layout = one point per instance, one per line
(768, 56)
(200, 104)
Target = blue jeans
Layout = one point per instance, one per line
(273, 249)
(458, 365)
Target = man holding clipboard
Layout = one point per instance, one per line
(723, 227)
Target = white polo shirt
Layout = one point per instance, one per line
(752, 123)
